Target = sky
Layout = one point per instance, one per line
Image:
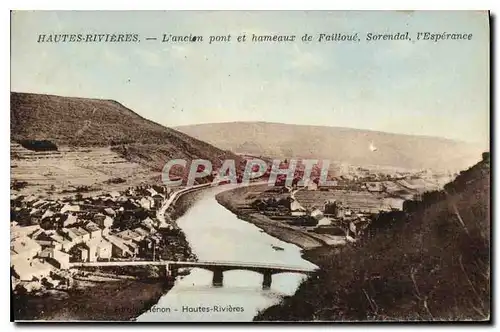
(411, 87)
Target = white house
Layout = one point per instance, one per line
(24, 248)
(58, 256)
(110, 212)
(26, 271)
(77, 234)
(114, 194)
(70, 220)
(103, 221)
(60, 242)
(317, 214)
(70, 208)
(98, 248)
(119, 248)
(129, 235)
(324, 221)
(311, 185)
(146, 203)
(19, 231)
(94, 230)
(297, 209)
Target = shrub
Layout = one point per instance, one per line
(38, 145)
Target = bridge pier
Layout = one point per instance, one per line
(218, 278)
(171, 274)
(267, 280)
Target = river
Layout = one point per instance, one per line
(216, 234)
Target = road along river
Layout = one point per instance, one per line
(216, 234)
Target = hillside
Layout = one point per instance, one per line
(65, 141)
(429, 263)
(337, 144)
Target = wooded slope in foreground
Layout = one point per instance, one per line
(431, 262)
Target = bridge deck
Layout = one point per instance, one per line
(206, 264)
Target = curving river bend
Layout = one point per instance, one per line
(215, 233)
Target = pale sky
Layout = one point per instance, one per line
(423, 88)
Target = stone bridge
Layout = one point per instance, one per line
(217, 267)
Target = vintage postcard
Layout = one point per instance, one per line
(239, 166)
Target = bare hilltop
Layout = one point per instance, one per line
(353, 146)
(74, 143)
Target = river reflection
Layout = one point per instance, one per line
(216, 234)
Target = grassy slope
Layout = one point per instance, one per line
(426, 266)
(93, 122)
(337, 144)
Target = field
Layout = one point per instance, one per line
(71, 168)
(359, 201)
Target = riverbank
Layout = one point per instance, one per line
(235, 198)
(119, 300)
(132, 293)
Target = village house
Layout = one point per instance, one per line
(149, 224)
(79, 253)
(334, 209)
(71, 219)
(93, 229)
(29, 270)
(44, 239)
(317, 214)
(311, 185)
(133, 247)
(30, 199)
(20, 231)
(320, 217)
(374, 186)
(110, 212)
(114, 194)
(98, 248)
(148, 243)
(130, 205)
(158, 201)
(60, 242)
(61, 259)
(47, 214)
(70, 208)
(119, 248)
(24, 249)
(296, 209)
(393, 203)
(39, 203)
(151, 192)
(129, 235)
(103, 221)
(146, 203)
(325, 221)
(108, 201)
(141, 231)
(36, 216)
(77, 234)
(157, 238)
(122, 199)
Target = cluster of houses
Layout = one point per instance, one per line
(51, 234)
(333, 217)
